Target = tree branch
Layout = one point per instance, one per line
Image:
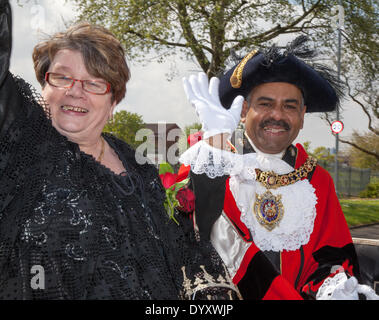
(164, 41)
(370, 127)
(367, 52)
(275, 31)
(192, 43)
(370, 152)
(374, 154)
(236, 11)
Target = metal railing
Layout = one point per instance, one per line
(351, 181)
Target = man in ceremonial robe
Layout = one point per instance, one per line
(270, 210)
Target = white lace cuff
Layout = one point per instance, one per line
(214, 162)
(340, 287)
(333, 288)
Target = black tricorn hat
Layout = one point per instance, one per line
(319, 84)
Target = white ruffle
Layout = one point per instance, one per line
(333, 288)
(214, 162)
(340, 287)
(299, 203)
(299, 199)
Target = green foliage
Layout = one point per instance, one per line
(208, 30)
(359, 70)
(171, 202)
(125, 126)
(361, 27)
(359, 159)
(165, 167)
(320, 153)
(372, 190)
(323, 154)
(190, 129)
(307, 146)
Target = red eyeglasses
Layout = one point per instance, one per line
(91, 86)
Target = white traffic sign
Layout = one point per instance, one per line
(337, 126)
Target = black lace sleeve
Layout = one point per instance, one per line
(191, 259)
(5, 38)
(9, 98)
(194, 264)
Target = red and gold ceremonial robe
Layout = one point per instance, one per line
(284, 274)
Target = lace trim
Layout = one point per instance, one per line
(299, 199)
(341, 287)
(299, 202)
(214, 162)
(329, 286)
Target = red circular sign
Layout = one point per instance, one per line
(337, 126)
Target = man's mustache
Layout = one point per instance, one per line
(273, 122)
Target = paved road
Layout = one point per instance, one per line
(367, 232)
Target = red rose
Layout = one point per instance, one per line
(183, 172)
(168, 179)
(194, 138)
(186, 199)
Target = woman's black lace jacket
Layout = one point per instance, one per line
(96, 235)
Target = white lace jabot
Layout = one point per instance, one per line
(299, 203)
(299, 199)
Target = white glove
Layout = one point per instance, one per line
(367, 291)
(341, 288)
(347, 290)
(213, 116)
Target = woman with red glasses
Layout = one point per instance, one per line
(80, 218)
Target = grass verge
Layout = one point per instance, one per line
(360, 211)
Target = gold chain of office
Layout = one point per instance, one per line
(271, 180)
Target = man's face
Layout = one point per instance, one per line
(274, 117)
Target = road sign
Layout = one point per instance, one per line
(337, 126)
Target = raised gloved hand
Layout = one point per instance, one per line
(215, 119)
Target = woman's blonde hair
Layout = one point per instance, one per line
(103, 55)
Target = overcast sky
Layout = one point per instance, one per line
(149, 93)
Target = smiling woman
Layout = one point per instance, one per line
(83, 74)
(74, 202)
(103, 55)
(76, 112)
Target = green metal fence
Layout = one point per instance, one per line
(351, 181)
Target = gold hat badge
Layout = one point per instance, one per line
(236, 78)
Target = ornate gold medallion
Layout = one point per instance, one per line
(271, 180)
(268, 209)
